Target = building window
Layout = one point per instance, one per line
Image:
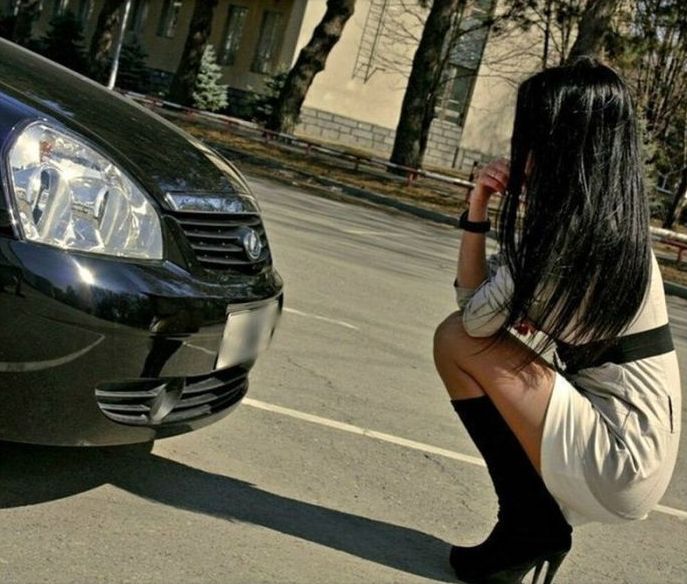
(83, 10)
(455, 98)
(269, 43)
(465, 59)
(59, 7)
(8, 7)
(169, 18)
(137, 18)
(233, 31)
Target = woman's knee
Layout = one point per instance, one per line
(449, 338)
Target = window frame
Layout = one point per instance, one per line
(59, 7)
(139, 14)
(233, 51)
(169, 18)
(267, 65)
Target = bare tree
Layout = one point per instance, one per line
(651, 50)
(311, 60)
(449, 49)
(103, 37)
(564, 29)
(594, 27)
(420, 99)
(677, 203)
(199, 31)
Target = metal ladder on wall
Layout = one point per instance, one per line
(365, 66)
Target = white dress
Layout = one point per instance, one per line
(611, 432)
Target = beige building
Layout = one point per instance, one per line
(357, 99)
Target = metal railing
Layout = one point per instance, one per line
(308, 146)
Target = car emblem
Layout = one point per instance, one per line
(252, 244)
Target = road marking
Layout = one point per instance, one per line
(323, 318)
(420, 446)
(203, 349)
(364, 432)
(372, 232)
(679, 513)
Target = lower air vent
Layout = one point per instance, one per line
(165, 402)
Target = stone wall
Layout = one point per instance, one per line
(443, 149)
(342, 130)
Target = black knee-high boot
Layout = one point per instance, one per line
(531, 530)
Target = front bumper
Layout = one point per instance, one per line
(97, 351)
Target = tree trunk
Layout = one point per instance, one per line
(680, 194)
(419, 101)
(27, 13)
(593, 28)
(105, 33)
(310, 62)
(199, 31)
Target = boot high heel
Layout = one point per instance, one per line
(531, 531)
(508, 555)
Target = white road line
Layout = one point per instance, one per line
(679, 513)
(428, 448)
(372, 232)
(363, 432)
(203, 349)
(323, 318)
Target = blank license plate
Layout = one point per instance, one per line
(247, 334)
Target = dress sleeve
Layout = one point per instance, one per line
(485, 308)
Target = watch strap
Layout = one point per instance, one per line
(473, 226)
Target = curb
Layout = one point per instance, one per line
(670, 288)
(673, 289)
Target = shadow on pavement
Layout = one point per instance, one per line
(34, 474)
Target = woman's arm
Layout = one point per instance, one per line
(484, 306)
(472, 263)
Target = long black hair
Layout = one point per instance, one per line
(582, 246)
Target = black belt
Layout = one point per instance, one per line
(656, 341)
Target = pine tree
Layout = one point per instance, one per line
(199, 30)
(64, 42)
(262, 104)
(132, 67)
(209, 94)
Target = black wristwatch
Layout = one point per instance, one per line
(473, 226)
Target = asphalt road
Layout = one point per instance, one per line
(346, 463)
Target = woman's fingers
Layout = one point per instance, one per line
(493, 178)
(492, 184)
(499, 169)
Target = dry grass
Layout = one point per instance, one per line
(426, 192)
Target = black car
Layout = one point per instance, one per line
(136, 280)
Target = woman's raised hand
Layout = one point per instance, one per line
(493, 178)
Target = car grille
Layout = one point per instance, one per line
(165, 402)
(217, 239)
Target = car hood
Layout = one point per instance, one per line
(156, 153)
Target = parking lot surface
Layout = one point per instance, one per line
(345, 463)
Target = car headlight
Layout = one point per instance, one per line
(70, 196)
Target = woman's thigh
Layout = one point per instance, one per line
(517, 381)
